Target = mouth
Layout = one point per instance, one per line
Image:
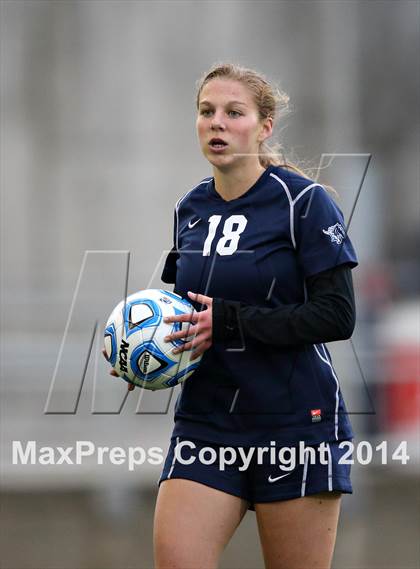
(217, 143)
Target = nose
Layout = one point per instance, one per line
(217, 123)
(217, 126)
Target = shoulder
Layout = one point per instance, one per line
(296, 186)
(196, 191)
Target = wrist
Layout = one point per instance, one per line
(225, 320)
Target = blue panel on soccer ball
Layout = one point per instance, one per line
(178, 299)
(110, 333)
(178, 377)
(177, 327)
(148, 356)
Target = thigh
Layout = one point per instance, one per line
(299, 533)
(193, 523)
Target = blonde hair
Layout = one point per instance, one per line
(270, 102)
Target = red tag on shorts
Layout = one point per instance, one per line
(316, 415)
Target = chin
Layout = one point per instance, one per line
(220, 165)
(220, 161)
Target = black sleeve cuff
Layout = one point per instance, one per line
(225, 320)
(169, 269)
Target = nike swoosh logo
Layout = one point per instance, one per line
(270, 479)
(191, 225)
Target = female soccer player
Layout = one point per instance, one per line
(262, 253)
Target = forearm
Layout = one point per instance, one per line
(328, 315)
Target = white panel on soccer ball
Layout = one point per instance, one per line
(108, 346)
(122, 366)
(159, 336)
(139, 313)
(134, 340)
(148, 363)
(112, 340)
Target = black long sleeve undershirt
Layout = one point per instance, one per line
(328, 315)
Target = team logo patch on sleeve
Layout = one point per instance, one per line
(336, 232)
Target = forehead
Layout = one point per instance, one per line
(223, 91)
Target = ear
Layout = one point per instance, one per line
(266, 129)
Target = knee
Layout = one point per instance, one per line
(170, 553)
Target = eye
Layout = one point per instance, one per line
(235, 113)
(205, 112)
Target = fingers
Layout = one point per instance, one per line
(191, 344)
(198, 345)
(201, 330)
(200, 298)
(192, 317)
(196, 353)
(130, 386)
(190, 331)
(112, 372)
(200, 351)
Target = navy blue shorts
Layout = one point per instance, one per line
(258, 475)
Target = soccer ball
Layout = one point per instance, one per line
(134, 340)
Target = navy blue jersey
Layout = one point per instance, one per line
(258, 249)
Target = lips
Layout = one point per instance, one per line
(217, 142)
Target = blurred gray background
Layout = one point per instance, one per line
(97, 144)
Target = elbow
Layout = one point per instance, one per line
(348, 329)
(346, 322)
(341, 318)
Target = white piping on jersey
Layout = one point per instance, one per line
(327, 361)
(305, 291)
(292, 203)
(235, 397)
(329, 468)
(173, 460)
(305, 473)
(178, 203)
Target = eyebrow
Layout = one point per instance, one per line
(229, 103)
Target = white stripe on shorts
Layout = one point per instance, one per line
(305, 472)
(329, 469)
(173, 460)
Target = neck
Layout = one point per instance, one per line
(232, 183)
